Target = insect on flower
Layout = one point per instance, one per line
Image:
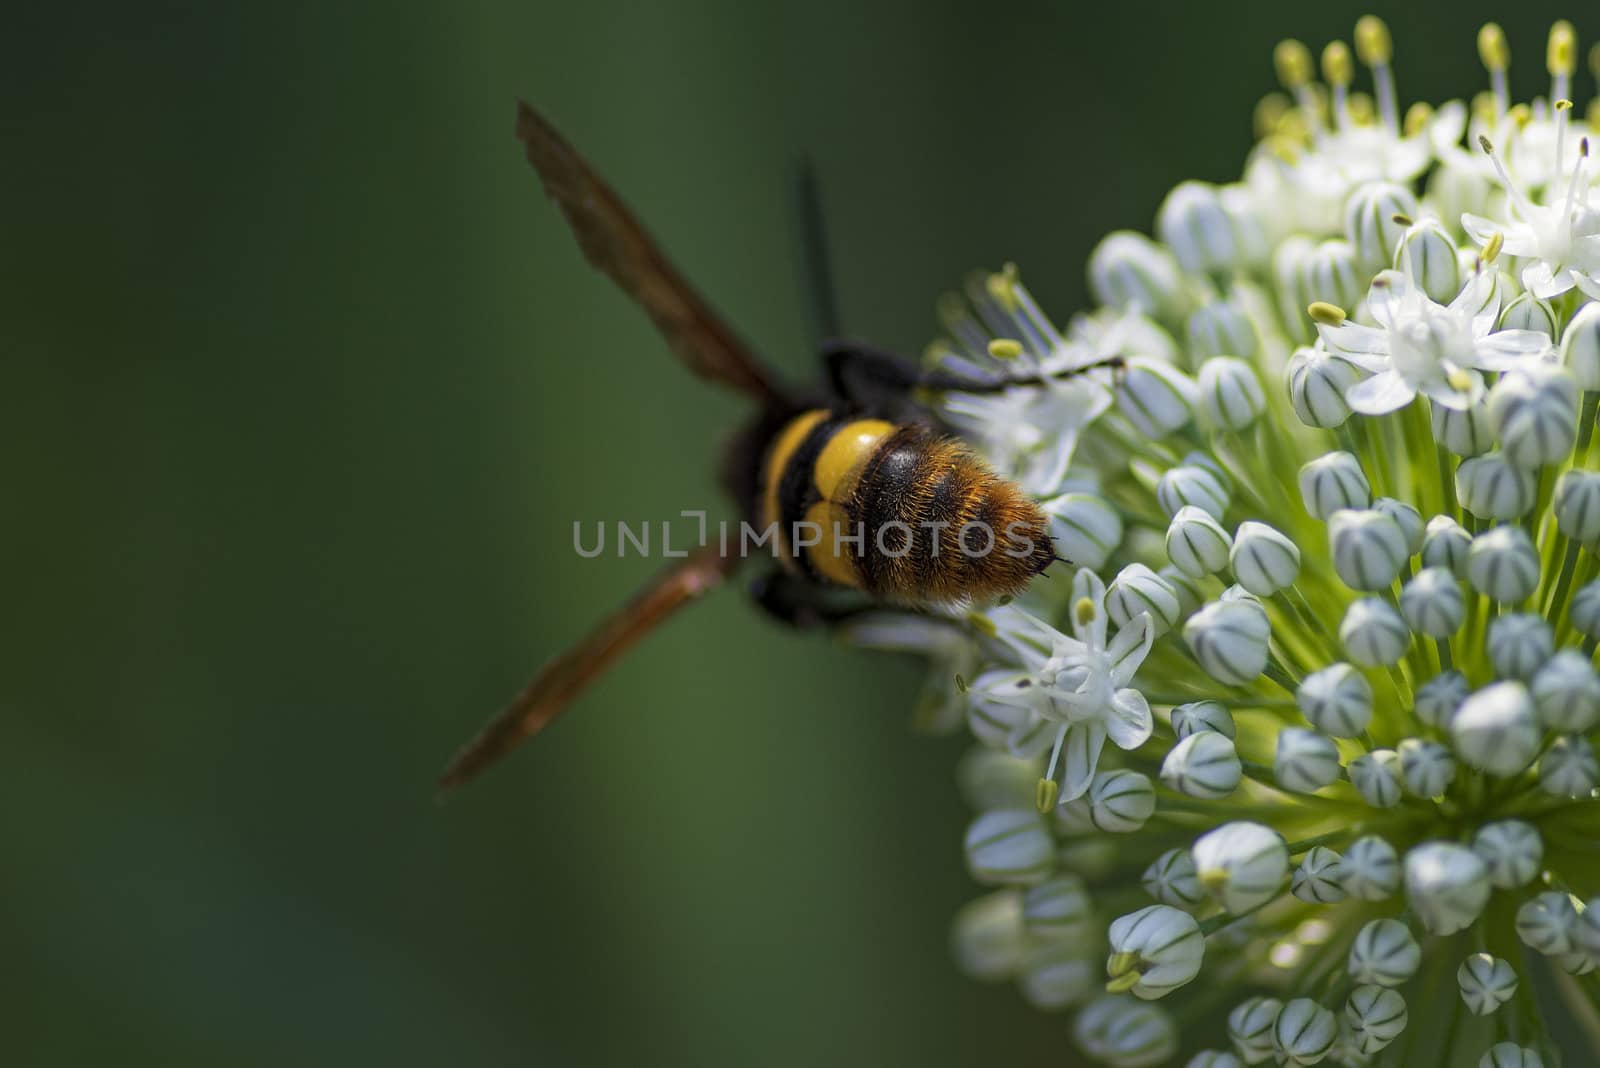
(856, 483)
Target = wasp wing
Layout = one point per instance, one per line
(614, 241)
(563, 678)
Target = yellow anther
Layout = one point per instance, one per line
(1458, 380)
(1483, 105)
(1123, 983)
(961, 683)
(1121, 963)
(1044, 796)
(1004, 348)
(1593, 115)
(1402, 219)
(1326, 314)
(935, 352)
(1521, 114)
(1269, 112)
(1491, 250)
(1213, 879)
(1486, 144)
(1418, 116)
(1361, 109)
(1083, 611)
(982, 624)
(1002, 287)
(1292, 60)
(1283, 147)
(1337, 65)
(1561, 55)
(1563, 105)
(1373, 43)
(1492, 47)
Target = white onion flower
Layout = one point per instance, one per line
(1377, 738)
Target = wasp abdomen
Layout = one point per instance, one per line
(901, 512)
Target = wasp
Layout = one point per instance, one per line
(862, 491)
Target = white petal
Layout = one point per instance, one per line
(1129, 648)
(1504, 350)
(1543, 282)
(1380, 394)
(1079, 756)
(1480, 229)
(1459, 400)
(1130, 722)
(1590, 284)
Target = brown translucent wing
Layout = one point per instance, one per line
(614, 241)
(563, 678)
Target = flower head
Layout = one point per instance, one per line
(1337, 599)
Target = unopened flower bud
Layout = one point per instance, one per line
(1438, 698)
(1202, 716)
(1058, 908)
(1445, 544)
(1580, 346)
(1250, 1027)
(1447, 886)
(1369, 549)
(1492, 487)
(1329, 272)
(1428, 256)
(1432, 603)
(1130, 272)
(1427, 767)
(1241, 864)
(1568, 768)
(1056, 975)
(1332, 482)
(1171, 879)
(1534, 412)
(1376, 777)
(1464, 431)
(1121, 801)
(1519, 645)
(1197, 544)
(1192, 223)
(1193, 486)
(1221, 328)
(1584, 612)
(1125, 1032)
(1577, 506)
(1263, 560)
(1548, 923)
(1407, 518)
(1190, 591)
(1086, 529)
(1318, 381)
(1566, 692)
(1156, 397)
(1494, 729)
(1374, 1017)
(1371, 869)
(1154, 951)
(1384, 953)
(1305, 760)
(1503, 564)
(1203, 765)
(1373, 634)
(1230, 638)
(1009, 847)
(1231, 396)
(1528, 312)
(1371, 224)
(1318, 879)
(1510, 1055)
(1486, 983)
(1511, 850)
(987, 938)
(1138, 589)
(1304, 1032)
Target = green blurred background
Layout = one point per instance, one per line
(305, 385)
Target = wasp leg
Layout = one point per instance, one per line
(874, 378)
(801, 602)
